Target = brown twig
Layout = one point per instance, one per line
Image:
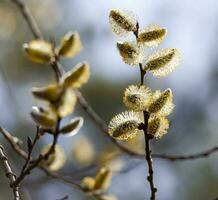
(148, 155)
(9, 173)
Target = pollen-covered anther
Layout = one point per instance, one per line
(163, 62)
(136, 97)
(130, 52)
(157, 126)
(161, 103)
(152, 35)
(122, 22)
(124, 126)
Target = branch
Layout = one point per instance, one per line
(49, 173)
(147, 137)
(9, 173)
(31, 22)
(90, 111)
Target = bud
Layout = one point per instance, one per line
(67, 103)
(161, 104)
(163, 62)
(122, 22)
(45, 118)
(152, 35)
(39, 51)
(136, 97)
(130, 52)
(56, 160)
(125, 125)
(49, 93)
(70, 45)
(73, 127)
(103, 179)
(157, 126)
(78, 76)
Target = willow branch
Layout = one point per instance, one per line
(9, 173)
(90, 111)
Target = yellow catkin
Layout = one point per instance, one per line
(70, 45)
(157, 126)
(46, 118)
(161, 103)
(103, 179)
(130, 52)
(136, 98)
(67, 103)
(78, 76)
(163, 62)
(124, 126)
(72, 127)
(152, 35)
(49, 93)
(56, 160)
(122, 22)
(39, 51)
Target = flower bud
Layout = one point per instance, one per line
(130, 52)
(39, 51)
(122, 22)
(124, 126)
(136, 97)
(70, 45)
(78, 76)
(152, 35)
(49, 93)
(73, 127)
(45, 118)
(163, 62)
(67, 103)
(157, 126)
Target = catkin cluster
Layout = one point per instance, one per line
(59, 99)
(139, 99)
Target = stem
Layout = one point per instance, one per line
(9, 173)
(148, 157)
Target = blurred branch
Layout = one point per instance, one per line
(49, 173)
(28, 18)
(9, 173)
(64, 198)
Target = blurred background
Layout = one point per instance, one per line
(192, 28)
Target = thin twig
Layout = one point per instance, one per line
(35, 163)
(25, 11)
(148, 155)
(9, 173)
